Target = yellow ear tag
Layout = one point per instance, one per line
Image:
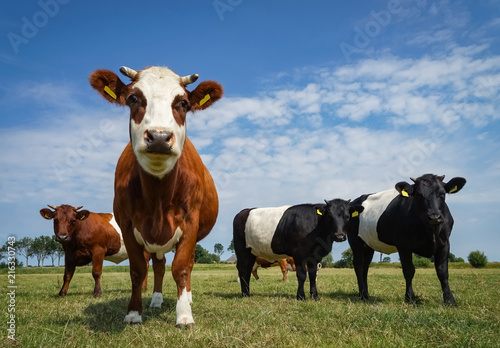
(318, 212)
(205, 99)
(354, 214)
(404, 193)
(110, 92)
(455, 189)
(83, 217)
(47, 217)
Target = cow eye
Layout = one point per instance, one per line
(132, 99)
(72, 221)
(183, 104)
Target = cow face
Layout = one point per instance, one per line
(66, 220)
(158, 102)
(336, 214)
(428, 193)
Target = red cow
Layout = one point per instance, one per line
(165, 197)
(283, 263)
(86, 237)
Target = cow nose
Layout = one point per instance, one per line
(435, 219)
(158, 141)
(63, 238)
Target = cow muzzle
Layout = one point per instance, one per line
(435, 219)
(62, 238)
(159, 141)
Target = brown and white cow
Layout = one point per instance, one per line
(285, 264)
(86, 237)
(165, 197)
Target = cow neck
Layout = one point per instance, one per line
(158, 192)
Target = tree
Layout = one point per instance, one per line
(52, 249)
(346, 261)
(201, 255)
(477, 259)
(24, 247)
(386, 259)
(327, 261)
(219, 249)
(41, 248)
(231, 246)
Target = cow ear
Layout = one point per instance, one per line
(404, 188)
(355, 210)
(47, 213)
(204, 95)
(82, 214)
(454, 185)
(108, 85)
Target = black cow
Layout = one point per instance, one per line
(305, 232)
(408, 219)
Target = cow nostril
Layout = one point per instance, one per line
(149, 136)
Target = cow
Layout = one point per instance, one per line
(411, 218)
(305, 232)
(285, 265)
(86, 237)
(165, 198)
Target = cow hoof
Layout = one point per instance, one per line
(156, 300)
(97, 295)
(185, 326)
(133, 318)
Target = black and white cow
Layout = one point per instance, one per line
(407, 219)
(305, 232)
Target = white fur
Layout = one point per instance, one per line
(156, 300)
(121, 255)
(183, 308)
(375, 205)
(259, 231)
(160, 86)
(133, 318)
(160, 250)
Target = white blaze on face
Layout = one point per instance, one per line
(159, 86)
(260, 228)
(375, 205)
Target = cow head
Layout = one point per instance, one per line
(336, 214)
(158, 102)
(66, 220)
(428, 193)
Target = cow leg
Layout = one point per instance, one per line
(159, 273)
(182, 266)
(301, 277)
(254, 271)
(147, 256)
(284, 271)
(69, 270)
(408, 272)
(441, 265)
(312, 269)
(138, 271)
(97, 260)
(362, 257)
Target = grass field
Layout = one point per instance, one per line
(272, 317)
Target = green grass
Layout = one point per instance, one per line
(272, 317)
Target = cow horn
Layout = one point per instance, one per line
(186, 80)
(441, 177)
(51, 206)
(78, 208)
(128, 72)
(414, 180)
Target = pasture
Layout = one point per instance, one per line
(271, 317)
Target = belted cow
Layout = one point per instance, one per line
(411, 218)
(86, 237)
(305, 232)
(165, 197)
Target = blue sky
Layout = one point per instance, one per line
(322, 100)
